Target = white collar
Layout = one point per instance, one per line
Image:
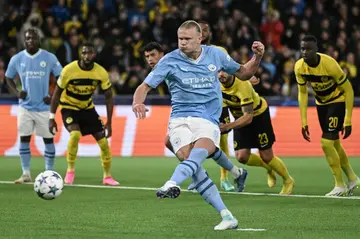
(192, 60)
(33, 56)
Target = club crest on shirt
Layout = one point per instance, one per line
(42, 63)
(69, 120)
(324, 78)
(212, 67)
(177, 141)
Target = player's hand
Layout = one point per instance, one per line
(346, 131)
(47, 99)
(108, 130)
(140, 110)
(254, 80)
(258, 48)
(224, 127)
(22, 94)
(53, 126)
(306, 133)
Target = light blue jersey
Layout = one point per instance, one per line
(193, 84)
(34, 71)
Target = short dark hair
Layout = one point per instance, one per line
(88, 44)
(203, 22)
(309, 38)
(32, 30)
(153, 46)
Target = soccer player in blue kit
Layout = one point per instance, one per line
(196, 100)
(34, 66)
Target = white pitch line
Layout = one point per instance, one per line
(251, 229)
(235, 193)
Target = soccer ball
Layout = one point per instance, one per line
(48, 185)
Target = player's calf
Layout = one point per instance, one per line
(25, 157)
(238, 174)
(49, 153)
(280, 168)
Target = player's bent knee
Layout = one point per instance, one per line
(25, 139)
(183, 153)
(242, 156)
(207, 144)
(75, 136)
(99, 135)
(48, 140)
(266, 155)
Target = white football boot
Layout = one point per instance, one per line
(353, 185)
(337, 192)
(228, 221)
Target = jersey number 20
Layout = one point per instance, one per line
(333, 122)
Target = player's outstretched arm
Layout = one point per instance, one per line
(349, 104)
(244, 120)
(139, 97)
(12, 87)
(109, 109)
(249, 69)
(303, 104)
(53, 107)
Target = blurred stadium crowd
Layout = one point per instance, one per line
(120, 28)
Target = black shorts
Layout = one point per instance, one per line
(88, 120)
(259, 134)
(331, 117)
(225, 118)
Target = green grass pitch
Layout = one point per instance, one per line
(95, 212)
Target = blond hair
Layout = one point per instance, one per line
(191, 24)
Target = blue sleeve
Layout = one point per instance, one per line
(227, 63)
(11, 71)
(56, 67)
(158, 74)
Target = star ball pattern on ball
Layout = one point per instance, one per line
(48, 185)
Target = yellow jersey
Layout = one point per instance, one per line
(324, 79)
(79, 85)
(242, 93)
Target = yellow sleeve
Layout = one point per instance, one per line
(105, 81)
(336, 72)
(349, 101)
(245, 92)
(63, 80)
(303, 103)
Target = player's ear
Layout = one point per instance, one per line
(316, 47)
